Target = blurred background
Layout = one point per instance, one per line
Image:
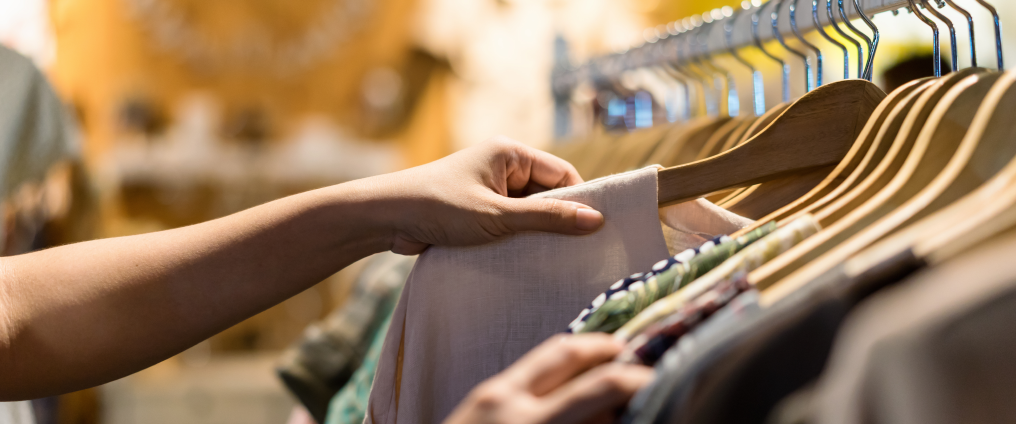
(181, 111)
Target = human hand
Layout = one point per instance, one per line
(472, 197)
(561, 381)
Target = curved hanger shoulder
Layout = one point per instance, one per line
(967, 203)
(899, 150)
(846, 172)
(939, 140)
(816, 131)
(716, 140)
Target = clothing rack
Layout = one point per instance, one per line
(566, 77)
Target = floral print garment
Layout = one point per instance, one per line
(627, 297)
(737, 266)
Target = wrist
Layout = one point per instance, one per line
(372, 207)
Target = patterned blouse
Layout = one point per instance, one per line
(627, 297)
(737, 266)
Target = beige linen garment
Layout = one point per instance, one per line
(468, 313)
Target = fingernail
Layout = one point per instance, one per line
(588, 219)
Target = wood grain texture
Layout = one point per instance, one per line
(864, 155)
(939, 140)
(816, 131)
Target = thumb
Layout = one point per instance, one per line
(550, 215)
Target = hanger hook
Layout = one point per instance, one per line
(952, 31)
(775, 18)
(812, 47)
(758, 43)
(757, 85)
(937, 55)
(970, 26)
(691, 61)
(998, 32)
(836, 26)
(873, 45)
(822, 31)
(733, 102)
(853, 29)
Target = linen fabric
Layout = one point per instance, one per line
(468, 313)
(747, 260)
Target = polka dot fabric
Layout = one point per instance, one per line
(620, 289)
(627, 297)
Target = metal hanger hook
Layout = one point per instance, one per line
(873, 46)
(836, 26)
(937, 50)
(775, 20)
(757, 84)
(758, 44)
(998, 33)
(812, 47)
(952, 30)
(824, 34)
(970, 26)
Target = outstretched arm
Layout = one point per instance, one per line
(84, 314)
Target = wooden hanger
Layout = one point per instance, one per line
(760, 124)
(955, 218)
(898, 151)
(715, 142)
(695, 132)
(632, 148)
(938, 141)
(815, 131)
(854, 167)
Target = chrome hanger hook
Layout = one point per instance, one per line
(757, 84)
(952, 30)
(998, 32)
(873, 46)
(775, 20)
(758, 44)
(824, 34)
(836, 26)
(853, 29)
(728, 79)
(970, 26)
(812, 47)
(937, 55)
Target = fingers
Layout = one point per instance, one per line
(527, 166)
(597, 393)
(548, 215)
(560, 359)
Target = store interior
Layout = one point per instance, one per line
(169, 113)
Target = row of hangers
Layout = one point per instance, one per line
(928, 170)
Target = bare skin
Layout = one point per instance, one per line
(81, 315)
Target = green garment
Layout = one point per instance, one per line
(618, 310)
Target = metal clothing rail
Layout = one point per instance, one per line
(565, 78)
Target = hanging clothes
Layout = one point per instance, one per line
(937, 348)
(626, 298)
(468, 313)
(756, 361)
(332, 351)
(737, 266)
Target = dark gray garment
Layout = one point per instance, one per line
(938, 349)
(739, 374)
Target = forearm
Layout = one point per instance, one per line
(79, 315)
